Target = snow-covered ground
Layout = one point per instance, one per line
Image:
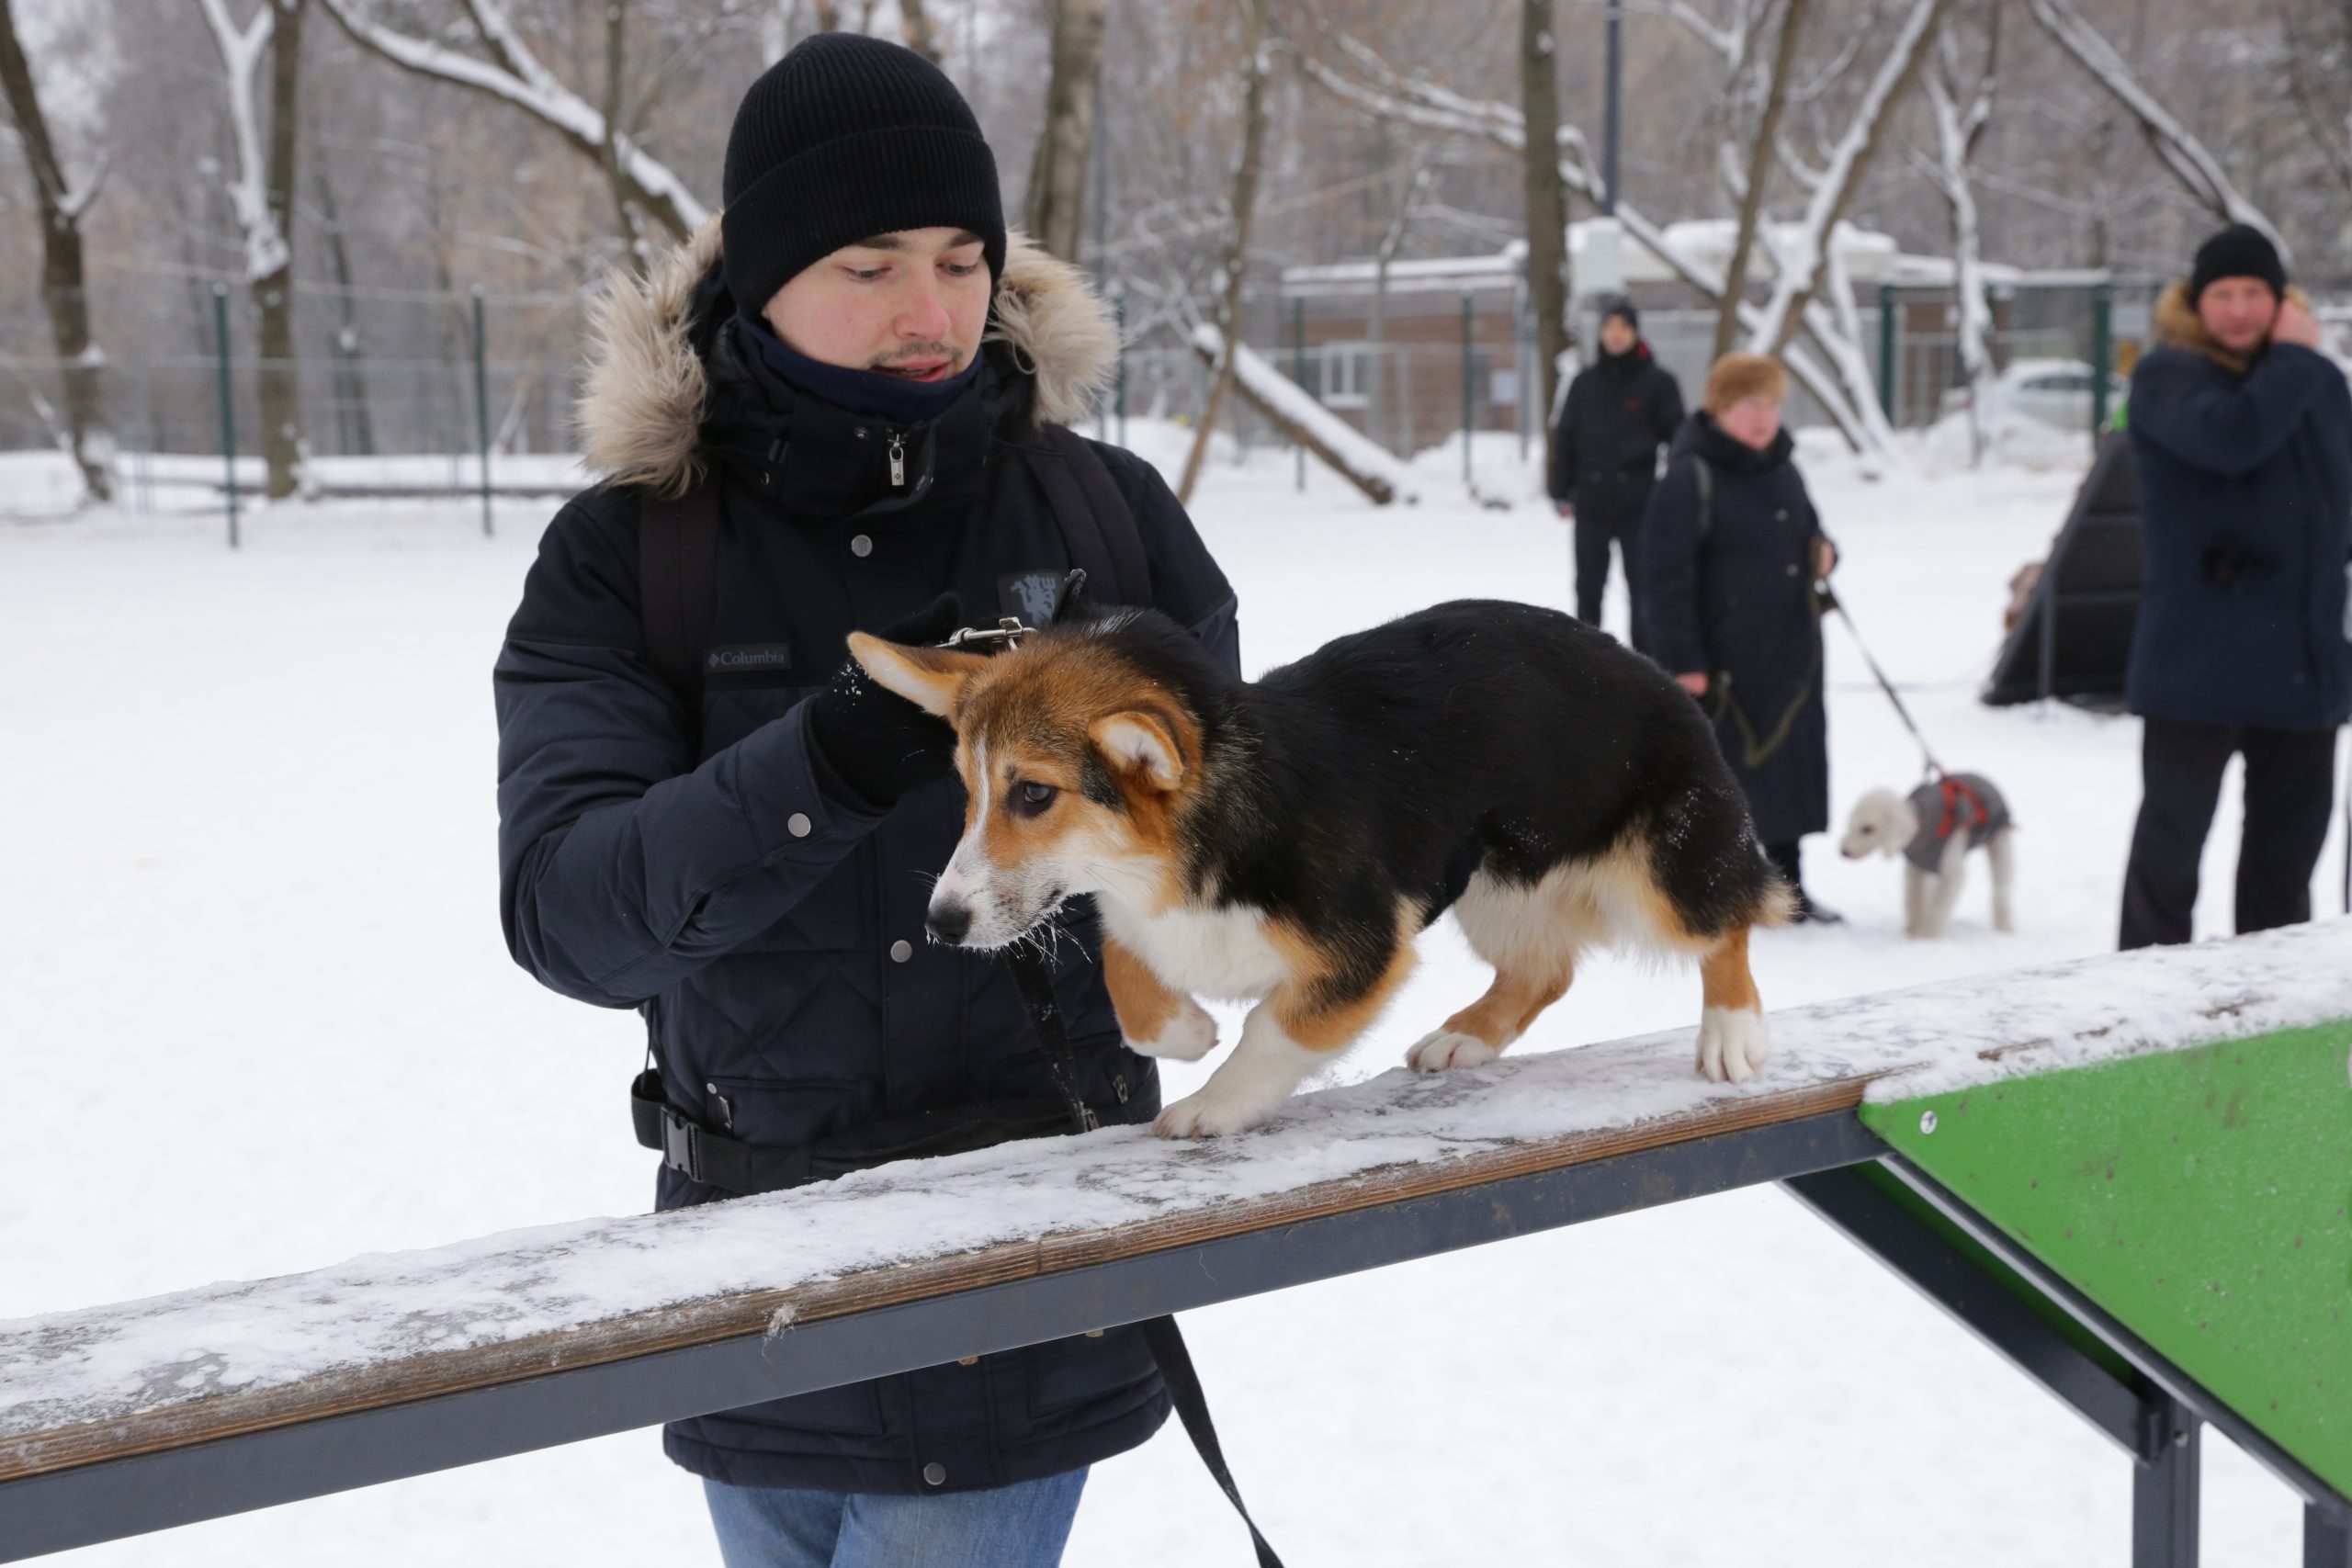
(257, 1017)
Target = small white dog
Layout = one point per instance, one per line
(1933, 830)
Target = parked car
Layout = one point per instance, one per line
(2055, 392)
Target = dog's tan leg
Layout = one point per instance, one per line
(1732, 1038)
(1300, 1027)
(1156, 1020)
(1484, 1029)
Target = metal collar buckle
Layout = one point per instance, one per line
(1008, 633)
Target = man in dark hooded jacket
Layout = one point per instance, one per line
(2242, 433)
(1619, 410)
(867, 376)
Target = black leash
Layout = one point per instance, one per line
(1166, 1340)
(1830, 600)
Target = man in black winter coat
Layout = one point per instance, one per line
(1618, 411)
(2242, 433)
(869, 378)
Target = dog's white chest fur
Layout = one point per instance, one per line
(1222, 952)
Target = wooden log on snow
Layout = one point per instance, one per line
(1334, 442)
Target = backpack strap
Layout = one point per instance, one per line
(677, 577)
(1705, 473)
(1097, 526)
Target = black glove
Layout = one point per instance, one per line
(880, 744)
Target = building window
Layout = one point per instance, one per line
(1347, 374)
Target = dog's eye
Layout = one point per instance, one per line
(1034, 798)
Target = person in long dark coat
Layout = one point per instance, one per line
(1619, 410)
(2241, 432)
(1731, 549)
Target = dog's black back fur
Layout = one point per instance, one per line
(1398, 761)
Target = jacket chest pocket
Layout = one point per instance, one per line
(732, 711)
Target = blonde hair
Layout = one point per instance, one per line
(1740, 376)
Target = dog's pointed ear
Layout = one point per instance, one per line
(1070, 602)
(1139, 744)
(930, 678)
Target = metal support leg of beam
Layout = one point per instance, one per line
(2163, 1497)
(2327, 1541)
(2195, 1402)
(1983, 1305)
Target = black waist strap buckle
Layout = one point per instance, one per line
(681, 1144)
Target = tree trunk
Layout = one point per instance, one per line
(915, 22)
(1547, 204)
(1244, 204)
(352, 423)
(63, 292)
(279, 390)
(1759, 174)
(1057, 207)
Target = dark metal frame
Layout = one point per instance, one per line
(2154, 1412)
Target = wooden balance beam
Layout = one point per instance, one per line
(120, 1419)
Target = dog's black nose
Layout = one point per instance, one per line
(948, 922)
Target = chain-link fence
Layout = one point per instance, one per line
(400, 393)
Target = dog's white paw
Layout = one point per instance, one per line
(1446, 1048)
(1189, 1037)
(1732, 1044)
(1208, 1114)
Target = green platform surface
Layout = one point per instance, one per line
(2201, 1197)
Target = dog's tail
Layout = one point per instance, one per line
(1776, 901)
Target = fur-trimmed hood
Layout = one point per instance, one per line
(640, 417)
(2179, 325)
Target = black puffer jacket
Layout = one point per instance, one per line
(768, 925)
(1619, 410)
(1730, 595)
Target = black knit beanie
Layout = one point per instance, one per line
(845, 138)
(2238, 251)
(1619, 305)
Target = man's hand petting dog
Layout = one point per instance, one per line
(881, 744)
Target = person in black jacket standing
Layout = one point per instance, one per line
(1732, 548)
(865, 376)
(2242, 433)
(1618, 411)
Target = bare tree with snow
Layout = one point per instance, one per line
(514, 74)
(1804, 262)
(1764, 140)
(1838, 377)
(1057, 207)
(2189, 159)
(1546, 204)
(1256, 58)
(263, 196)
(1962, 109)
(61, 203)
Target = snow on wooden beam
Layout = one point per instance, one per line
(382, 1329)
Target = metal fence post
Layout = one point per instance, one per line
(481, 404)
(1467, 392)
(1886, 357)
(1298, 371)
(2102, 353)
(228, 409)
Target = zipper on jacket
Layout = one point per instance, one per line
(1119, 1087)
(897, 460)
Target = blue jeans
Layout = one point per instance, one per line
(1021, 1526)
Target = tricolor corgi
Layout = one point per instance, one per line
(1284, 840)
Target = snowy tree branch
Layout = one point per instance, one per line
(242, 49)
(1801, 272)
(2180, 152)
(514, 76)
